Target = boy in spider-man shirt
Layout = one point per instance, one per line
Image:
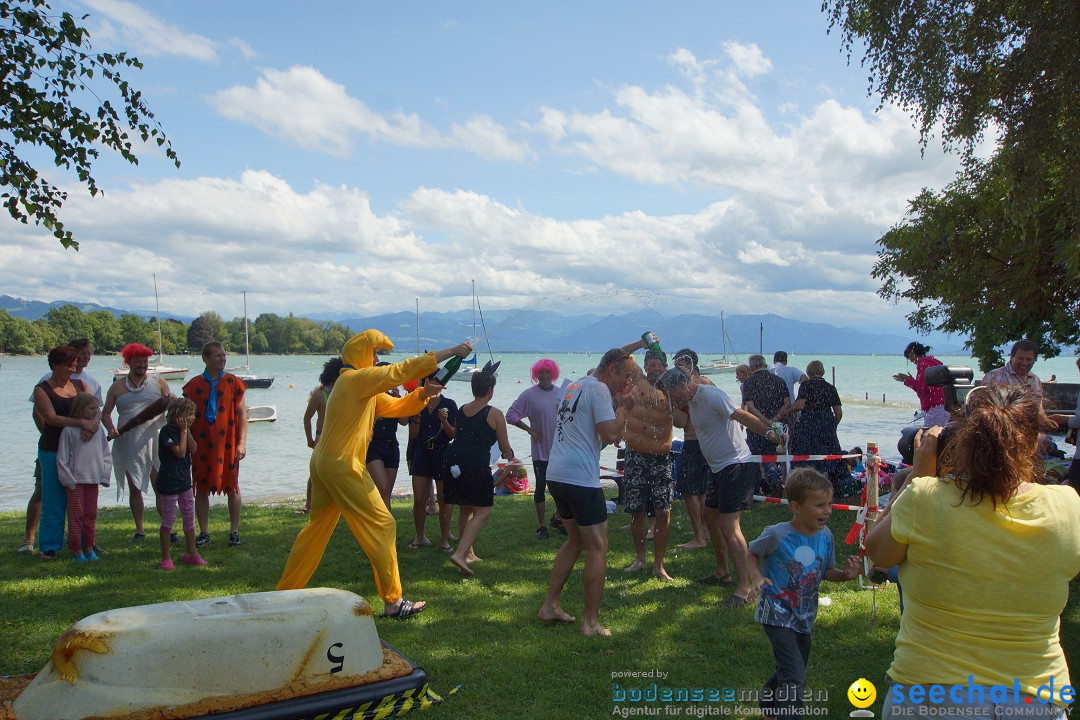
(794, 558)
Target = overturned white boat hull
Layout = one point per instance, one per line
(198, 656)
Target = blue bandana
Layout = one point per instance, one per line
(211, 401)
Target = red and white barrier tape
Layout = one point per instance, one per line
(799, 458)
(783, 501)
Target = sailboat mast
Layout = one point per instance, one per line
(417, 326)
(157, 314)
(474, 313)
(247, 347)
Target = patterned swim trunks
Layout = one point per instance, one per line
(647, 475)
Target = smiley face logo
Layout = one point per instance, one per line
(862, 693)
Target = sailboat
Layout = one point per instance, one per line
(468, 366)
(158, 366)
(722, 364)
(244, 371)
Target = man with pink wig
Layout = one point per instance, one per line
(539, 405)
(136, 396)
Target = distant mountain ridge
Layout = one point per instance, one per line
(537, 331)
(31, 310)
(530, 330)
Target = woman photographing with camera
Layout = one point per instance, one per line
(986, 555)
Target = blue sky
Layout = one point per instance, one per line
(604, 156)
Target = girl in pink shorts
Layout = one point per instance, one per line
(175, 448)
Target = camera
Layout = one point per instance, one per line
(956, 380)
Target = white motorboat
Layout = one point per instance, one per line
(262, 413)
(157, 364)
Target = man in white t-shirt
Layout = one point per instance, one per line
(790, 375)
(733, 472)
(587, 421)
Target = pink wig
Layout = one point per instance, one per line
(135, 350)
(545, 364)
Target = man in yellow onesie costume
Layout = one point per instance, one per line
(340, 483)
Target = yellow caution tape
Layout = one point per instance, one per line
(390, 706)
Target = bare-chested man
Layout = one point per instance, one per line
(134, 452)
(648, 459)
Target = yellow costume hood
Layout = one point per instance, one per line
(359, 351)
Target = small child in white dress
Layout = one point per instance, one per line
(82, 467)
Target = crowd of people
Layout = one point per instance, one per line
(974, 506)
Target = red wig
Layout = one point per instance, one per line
(135, 350)
(545, 364)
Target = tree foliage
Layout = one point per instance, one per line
(1002, 239)
(59, 95)
(200, 332)
(109, 333)
(970, 266)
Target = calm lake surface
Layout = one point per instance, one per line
(276, 465)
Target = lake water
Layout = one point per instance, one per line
(876, 407)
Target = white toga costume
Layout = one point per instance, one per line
(136, 451)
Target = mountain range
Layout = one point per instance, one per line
(539, 331)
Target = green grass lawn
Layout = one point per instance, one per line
(481, 634)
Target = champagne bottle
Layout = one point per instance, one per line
(653, 343)
(447, 371)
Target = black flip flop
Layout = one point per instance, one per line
(406, 610)
(733, 601)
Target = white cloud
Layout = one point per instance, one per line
(485, 137)
(132, 26)
(325, 249)
(753, 253)
(833, 174)
(244, 47)
(304, 107)
(748, 59)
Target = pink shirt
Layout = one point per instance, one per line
(540, 408)
(928, 396)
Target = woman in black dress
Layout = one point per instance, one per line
(466, 470)
(818, 405)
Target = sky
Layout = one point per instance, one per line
(610, 157)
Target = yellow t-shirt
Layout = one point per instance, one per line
(984, 588)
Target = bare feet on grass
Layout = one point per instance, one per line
(549, 614)
(462, 565)
(594, 629)
(694, 545)
(661, 574)
(637, 565)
